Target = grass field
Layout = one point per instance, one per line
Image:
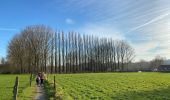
(25, 92)
(113, 86)
(94, 86)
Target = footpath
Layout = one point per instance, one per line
(40, 93)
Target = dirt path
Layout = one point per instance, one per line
(40, 93)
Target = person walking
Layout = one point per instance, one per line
(42, 78)
(38, 79)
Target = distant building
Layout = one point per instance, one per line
(164, 68)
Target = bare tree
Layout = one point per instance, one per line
(28, 47)
(63, 55)
(156, 62)
(55, 45)
(2, 60)
(39, 48)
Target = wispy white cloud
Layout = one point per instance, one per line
(7, 29)
(143, 50)
(145, 24)
(69, 21)
(102, 31)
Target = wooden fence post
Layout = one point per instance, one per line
(47, 77)
(15, 89)
(31, 79)
(54, 83)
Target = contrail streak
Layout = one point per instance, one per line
(149, 22)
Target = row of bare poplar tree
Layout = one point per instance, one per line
(39, 48)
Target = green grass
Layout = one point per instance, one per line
(50, 91)
(25, 92)
(113, 86)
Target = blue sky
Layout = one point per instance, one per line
(145, 24)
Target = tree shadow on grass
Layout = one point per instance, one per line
(156, 94)
(165, 72)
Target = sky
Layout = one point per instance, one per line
(145, 24)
